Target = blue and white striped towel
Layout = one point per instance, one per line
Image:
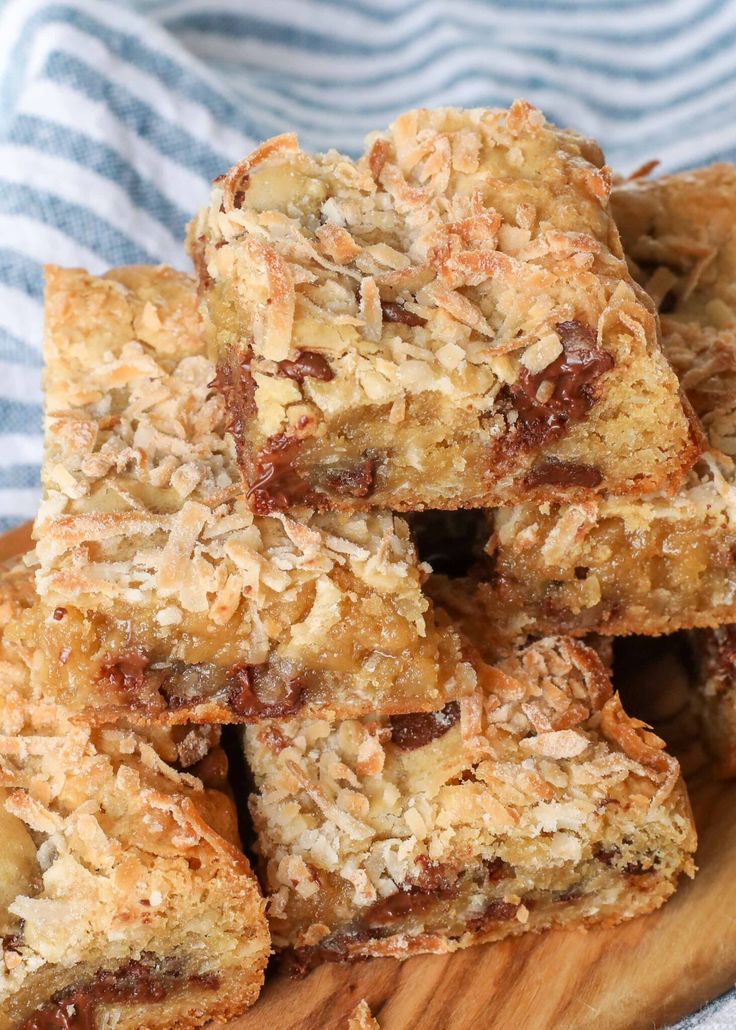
(115, 116)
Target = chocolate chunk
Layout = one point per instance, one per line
(242, 698)
(496, 869)
(432, 884)
(397, 907)
(496, 911)
(127, 671)
(239, 195)
(563, 473)
(335, 948)
(307, 364)
(356, 481)
(636, 869)
(204, 280)
(277, 484)
(136, 982)
(393, 312)
(233, 379)
(59, 614)
(572, 375)
(412, 731)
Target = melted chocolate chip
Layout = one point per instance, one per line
(433, 883)
(496, 911)
(277, 485)
(59, 614)
(496, 869)
(356, 481)
(239, 195)
(636, 869)
(606, 855)
(335, 948)
(243, 700)
(308, 364)
(127, 671)
(234, 381)
(412, 731)
(397, 907)
(204, 281)
(572, 376)
(136, 982)
(393, 312)
(563, 473)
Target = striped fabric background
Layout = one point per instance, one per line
(114, 117)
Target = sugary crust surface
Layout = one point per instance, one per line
(110, 856)
(540, 781)
(158, 585)
(354, 304)
(661, 563)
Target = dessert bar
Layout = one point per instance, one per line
(185, 745)
(661, 563)
(537, 802)
(447, 322)
(162, 597)
(125, 899)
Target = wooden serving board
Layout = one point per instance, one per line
(644, 974)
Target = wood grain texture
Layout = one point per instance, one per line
(643, 974)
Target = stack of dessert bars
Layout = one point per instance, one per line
(441, 350)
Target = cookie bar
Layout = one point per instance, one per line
(125, 899)
(187, 746)
(447, 322)
(661, 563)
(535, 803)
(162, 597)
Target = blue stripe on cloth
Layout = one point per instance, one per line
(20, 476)
(14, 348)
(78, 222)
(21, 272)
(16, 416)
(49, 138)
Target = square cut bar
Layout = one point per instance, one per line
(535, 803)
(657, 564)
(125, 899)
(447, 322)
(188, 746)
(162, 597)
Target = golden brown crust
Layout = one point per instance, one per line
(431, 284)
(657, 564)
(111, 857)
(162, 597)
(537, 802)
